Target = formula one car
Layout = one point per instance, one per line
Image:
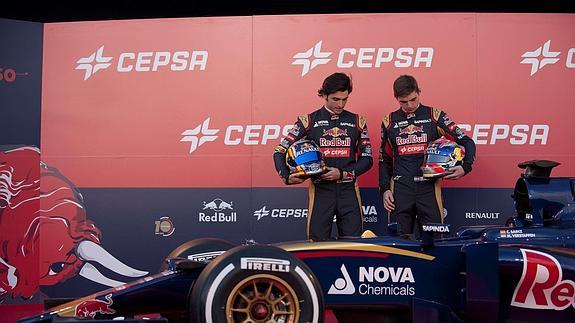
(521, 272)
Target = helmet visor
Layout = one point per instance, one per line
(310, 156)
(437, 159)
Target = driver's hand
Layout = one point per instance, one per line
(457, 173)
(295, 179)
(332, 174)
(388, 201)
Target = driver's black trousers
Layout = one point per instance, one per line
(327, 199)
(416, 200)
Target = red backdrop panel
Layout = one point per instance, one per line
(124, 128)
(163, 114)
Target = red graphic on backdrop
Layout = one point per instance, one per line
(44, 233)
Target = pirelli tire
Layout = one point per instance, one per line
(256, 283)
(203, 250)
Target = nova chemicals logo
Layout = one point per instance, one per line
(363, 57)
(396, 281)
(143, 61)
(342, 286)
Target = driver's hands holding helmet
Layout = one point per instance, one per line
(332, 174)
(456, 173)
(296, 178)
(443, 158)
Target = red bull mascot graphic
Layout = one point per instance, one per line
(45, 237)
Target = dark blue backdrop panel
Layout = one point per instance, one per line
(20, 82)
(141, 226)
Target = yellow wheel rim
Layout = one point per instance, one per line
(262, 298)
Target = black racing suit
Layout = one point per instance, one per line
(404, 139)
(344, 142)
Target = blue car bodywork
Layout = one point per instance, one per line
(523, 271)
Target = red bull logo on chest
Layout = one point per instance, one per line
(335, 132)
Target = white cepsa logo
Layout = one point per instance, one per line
(147, 61)
(280, 213)
(255, 134)
(364, 57)
(543, 55)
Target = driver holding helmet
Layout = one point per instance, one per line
(412, 192)
(344, 143)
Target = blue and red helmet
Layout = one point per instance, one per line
(305, 158)
(440, 156)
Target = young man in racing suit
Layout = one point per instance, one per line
(405, 135)
(344, 142)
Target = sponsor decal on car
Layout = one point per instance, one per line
(441, 228)
(541, 285)
(516, 233)
(386, 281)
(205, 256)
(89, 308)
(265, 264)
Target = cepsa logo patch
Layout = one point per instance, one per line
(143, 61)
(541, 285)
